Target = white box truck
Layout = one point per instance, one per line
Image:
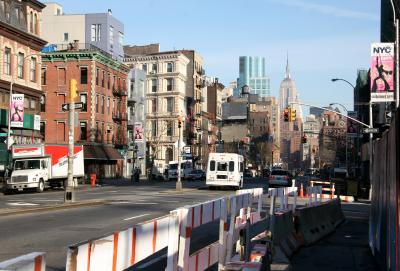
(41, 166)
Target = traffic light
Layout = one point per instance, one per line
(179, 122)
(73, 89)
(292, 114)
(286, 114)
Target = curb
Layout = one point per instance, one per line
(65, 206)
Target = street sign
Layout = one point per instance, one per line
(370, 130)
(388, 114)
(66, 107)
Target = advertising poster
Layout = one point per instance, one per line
(138, 132)
(17, 110)
(382, 72)
(352, 126)
(36, 122)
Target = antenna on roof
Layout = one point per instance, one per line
(109, 11)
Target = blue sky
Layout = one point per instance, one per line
(324, 39)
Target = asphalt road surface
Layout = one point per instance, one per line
(53, 231)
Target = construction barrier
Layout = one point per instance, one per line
(329, 191)
(314, 195)
(316, 221)
(121, 249)
(191, 217)
(34, 261)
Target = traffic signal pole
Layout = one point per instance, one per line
(69, 190)
(178, 178)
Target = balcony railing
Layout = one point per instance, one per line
(117, 116)
(76, 47)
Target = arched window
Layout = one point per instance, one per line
(35, 24)
(31, 22)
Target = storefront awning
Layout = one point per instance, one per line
(101, 153)
(112, 153)
(94, 152)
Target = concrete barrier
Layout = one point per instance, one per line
(316, 221)
(34, 261)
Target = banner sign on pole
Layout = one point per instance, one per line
(382, 72)
(352, 126)
(36, 122)
(17, 110)
(138, 132)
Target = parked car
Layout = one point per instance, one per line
(196, 174)
(280, 177)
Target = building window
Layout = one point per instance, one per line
(154, 128)
(61, 76)
(97, 103)
(102, 104)
(154, 85)
(95, 32)
(35, 24)
(83, 127)
(43, 103)
(20, 71)
(169, 67)
(108, 105)
(66, 37)
(103, 78)
(154, 105)
(84, 75)
(170, 128)
(61, 101)
(43, 76)
(83, 99)
(108, 80)
(60, 132)
(111, 36)
(31, 22)
(114, 81)
(7, 11)
(170, 104)
(97, 76)
(144, 67)
(33, 104)
(170, 84)
(33, 69)
(43, 130)
(7, 61)
(120, 39)
(154, 67)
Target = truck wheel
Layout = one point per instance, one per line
(40, 187)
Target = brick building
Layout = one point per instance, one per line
(20, 45)
(102, 88)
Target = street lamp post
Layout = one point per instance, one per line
(370, 126)
(347, 113)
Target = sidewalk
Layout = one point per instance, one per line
(346, 249)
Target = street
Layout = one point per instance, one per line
(127, 205)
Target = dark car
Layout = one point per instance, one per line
(196, 174)
(280, 177)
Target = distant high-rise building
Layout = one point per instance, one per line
(252, 73)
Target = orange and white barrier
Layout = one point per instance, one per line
(283, 193)
(121, 249)
(34, 261)
(314, 195)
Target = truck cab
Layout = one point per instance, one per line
(30, 173)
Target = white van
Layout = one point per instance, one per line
(186, 168)
(225, 169)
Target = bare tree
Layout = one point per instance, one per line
(154, 139)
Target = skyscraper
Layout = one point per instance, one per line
(252, 73)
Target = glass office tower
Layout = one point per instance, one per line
(252, 73)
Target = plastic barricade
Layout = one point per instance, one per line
(121, 249)
(34, 261)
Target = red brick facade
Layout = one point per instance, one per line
(102, 123)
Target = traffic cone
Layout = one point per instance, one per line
(301, 191)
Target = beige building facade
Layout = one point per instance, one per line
(165, 101)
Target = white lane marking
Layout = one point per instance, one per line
(134, 217)
(152, 262)
(22, 204)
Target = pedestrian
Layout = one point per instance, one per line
(136, 174)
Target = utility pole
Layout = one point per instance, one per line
(69, 190)
(178, 181)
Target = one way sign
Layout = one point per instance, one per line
(66, 107)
